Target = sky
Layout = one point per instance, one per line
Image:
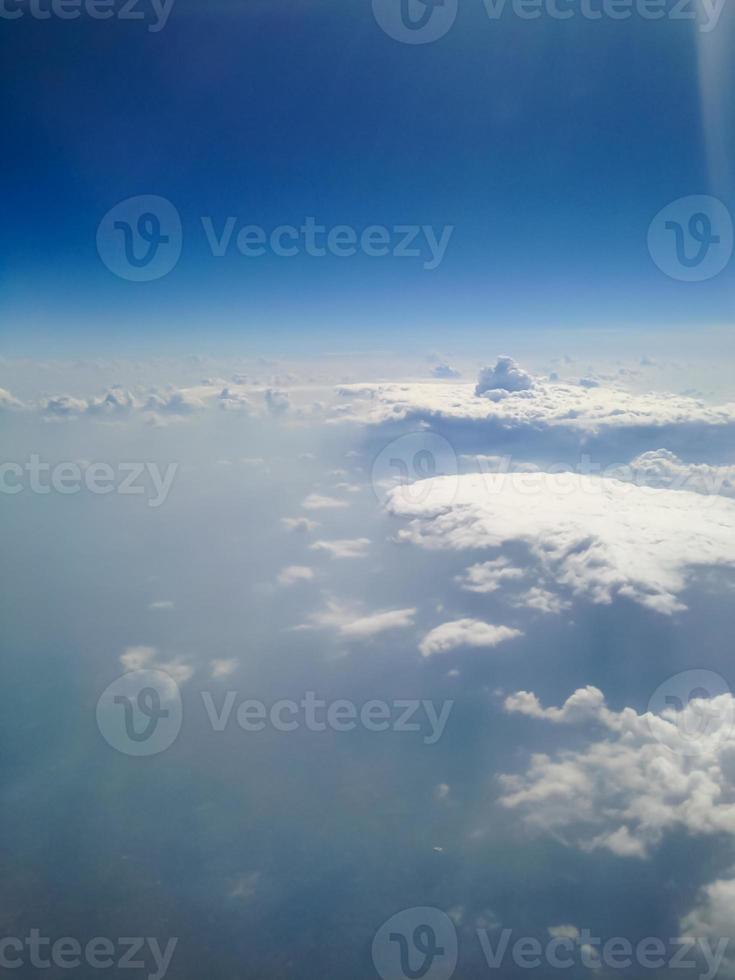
(367, 489)
(547, 145)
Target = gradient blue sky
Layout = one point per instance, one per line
(549, 145)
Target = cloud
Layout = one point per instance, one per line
(444, 371)
(596, 537)
(549, 407)
(319, 501)
(8, 401)
(351, 623)
(295, 573)
(344, 548)
(661, 468)
(300, 524)
(277, 402)
(505, 376)
(146, 658)
(489, 576)
(464, 633)
(651, 774)
(161, 604)
(223, 668)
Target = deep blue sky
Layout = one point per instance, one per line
(549, 145)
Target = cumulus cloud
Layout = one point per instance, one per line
(548, 406)
(444, 371)
(351, 622)
(505, 376)
(651, 774)
(661, 468)
(320, 501)
(295, 573)
(344, 547)
(300, 524)
(464, 633)
(489, 576)
(597, 538)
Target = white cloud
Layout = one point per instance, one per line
(223, 668)
(546, 407)
(464, 633)
(318, 501)
(302, 524)
(350, 622)
(161, 604)
(146, 658)
(651, 774)
(505, 376)
(489, 576)
(344, 548)
(295, 573)
(596, 537)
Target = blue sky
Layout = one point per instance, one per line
(549, 146)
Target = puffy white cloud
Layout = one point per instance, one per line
(661, 468)
(714, 913)
(505, 376)
(596, 537)
(464, 633)
(320, 501)
(548, 405)
(489, 576)
(344, 547)
(651, 774)
(295, 573)
(301, 524)
(352, 623)
(540, 600)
